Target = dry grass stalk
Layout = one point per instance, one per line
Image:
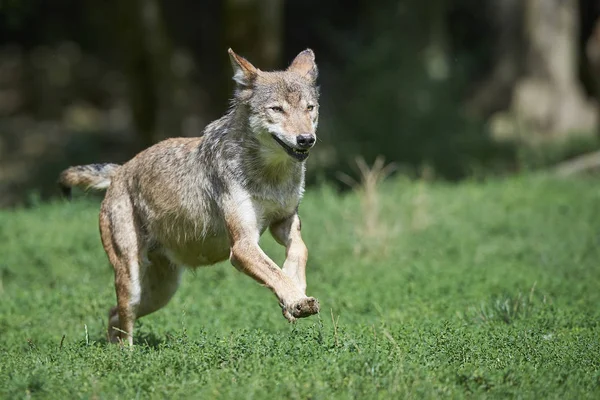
(367, 190)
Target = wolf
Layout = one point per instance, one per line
(191, 202)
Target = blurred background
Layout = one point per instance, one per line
(445, 89)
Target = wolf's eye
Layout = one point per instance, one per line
(277, 109)
(310, 107)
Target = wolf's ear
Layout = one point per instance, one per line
(304, 64)
(244, 73)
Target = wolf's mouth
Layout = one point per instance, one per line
(298, 154)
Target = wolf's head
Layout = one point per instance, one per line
(283, 106)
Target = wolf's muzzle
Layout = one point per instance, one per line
(300, 154)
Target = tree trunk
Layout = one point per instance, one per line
(592, 50)
(437, 55)
(549, 103)
(254, 30)
(494, 93)
(146, 56)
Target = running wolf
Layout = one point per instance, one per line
(190, 202)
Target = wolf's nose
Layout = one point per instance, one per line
(305, 140)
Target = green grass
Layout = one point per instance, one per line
(475, 290)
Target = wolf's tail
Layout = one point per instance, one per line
(92, 176)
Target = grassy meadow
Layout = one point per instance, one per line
(427, 290)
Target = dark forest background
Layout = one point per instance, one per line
(446, 89)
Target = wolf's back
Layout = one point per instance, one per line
(92, 176)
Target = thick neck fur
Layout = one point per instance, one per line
(253, 159)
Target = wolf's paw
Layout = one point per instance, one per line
(301, 309)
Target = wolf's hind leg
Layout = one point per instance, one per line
(121, 239)
(161, 281)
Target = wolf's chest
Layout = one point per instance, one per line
(269, 211)
(275, 205)
(183, 247)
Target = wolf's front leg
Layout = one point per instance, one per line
(287, 233)
(248, 257)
